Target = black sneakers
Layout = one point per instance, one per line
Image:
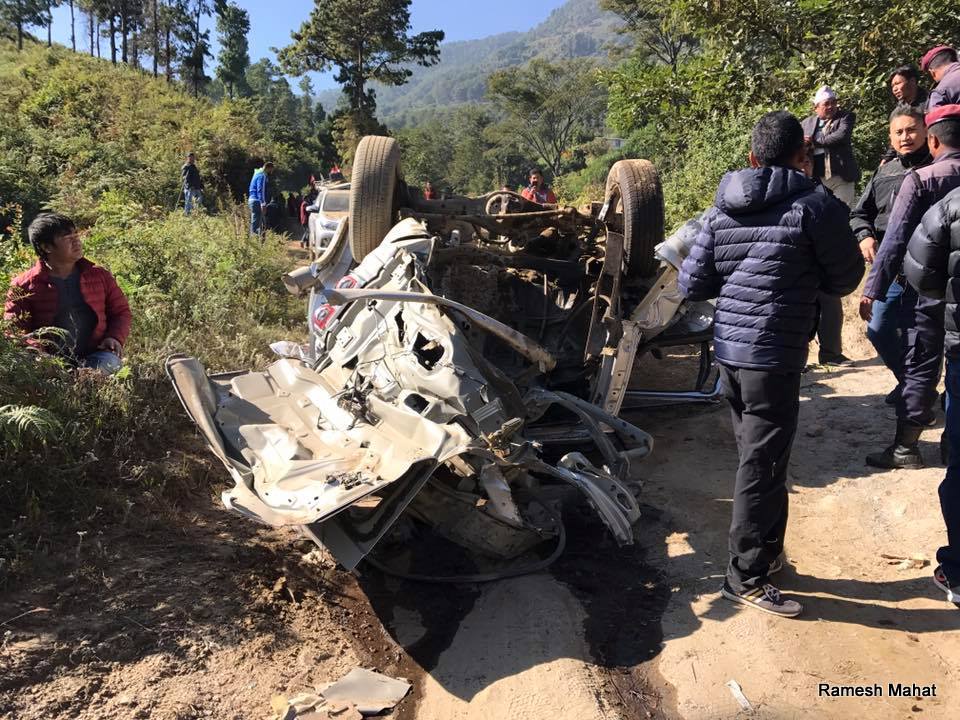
(941, 581)
(836, 360)
(766, 598)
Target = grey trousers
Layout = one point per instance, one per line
(830, 332)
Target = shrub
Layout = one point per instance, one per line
(77, 443)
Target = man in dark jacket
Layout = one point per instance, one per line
(941, 63)
(905, 87)
(923, 327)
(830, 131)
(932, 267)
(67, 291)
(774, 241)
(192, 184)
(868, 220)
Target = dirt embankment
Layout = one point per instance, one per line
(206, 615)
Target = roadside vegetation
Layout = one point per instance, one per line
(104, 145)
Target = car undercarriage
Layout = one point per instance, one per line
(467, 363)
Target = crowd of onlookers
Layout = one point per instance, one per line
(784, 241)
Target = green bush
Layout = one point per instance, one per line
(76, 443)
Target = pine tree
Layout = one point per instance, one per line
(196, 46)
(233, 24)
(21, 14)
(364, 40)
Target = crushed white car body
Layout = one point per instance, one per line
(470, 364)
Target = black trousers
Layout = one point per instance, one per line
(830, 329)
(764, 406)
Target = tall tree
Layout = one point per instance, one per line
(550, 105)
(364, 41)
(308, 116)
(659, 32)
(197, 46)
(233, 24)
(89, 7)
(51, 4)
(73, 28)
(21, 14)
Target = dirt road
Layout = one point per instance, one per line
(204, 615)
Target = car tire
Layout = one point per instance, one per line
(373, 193)
(635, 193)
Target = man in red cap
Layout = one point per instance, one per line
(932, 267)
(941, 63)
(922, 322)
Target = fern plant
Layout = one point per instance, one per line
(20, 424)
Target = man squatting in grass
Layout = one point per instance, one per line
(774, 240)
(67, 291)
(932, 267)
(922, 318)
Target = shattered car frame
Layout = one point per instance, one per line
(467, 358)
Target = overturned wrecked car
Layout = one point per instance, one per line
(468, 358)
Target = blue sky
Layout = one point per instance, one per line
(273, 20)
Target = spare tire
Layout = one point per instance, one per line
(635, 194)
(373, 191)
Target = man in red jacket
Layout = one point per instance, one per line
(67, 291)
(538, 191)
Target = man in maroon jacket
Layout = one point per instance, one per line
(66, 291)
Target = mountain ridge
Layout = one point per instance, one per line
(576, 29)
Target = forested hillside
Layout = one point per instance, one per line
(104, 144)
(577, 29)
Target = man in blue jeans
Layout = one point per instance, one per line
(192, 184)
(922, 320)
(259, 196)
(868, 220)
(932, 266)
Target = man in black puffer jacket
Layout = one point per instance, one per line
(932, 267)
(868, 220)
(923, 326)
(773, 241)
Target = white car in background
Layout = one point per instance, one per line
(333, 204)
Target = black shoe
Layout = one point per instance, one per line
(766, 598)
(905, 451)
(777, 565)
(952, 591)
(836, 360)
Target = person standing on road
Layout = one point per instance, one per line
(538, 191)
(259, 196)
(192, 184)
(306, 207)
(868, 220)
(932, 268)
(922, 319)
(941, 63)
(774, 240)
(830, 131)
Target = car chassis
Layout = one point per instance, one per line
(468, 359)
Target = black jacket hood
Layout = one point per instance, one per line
(754, 189)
